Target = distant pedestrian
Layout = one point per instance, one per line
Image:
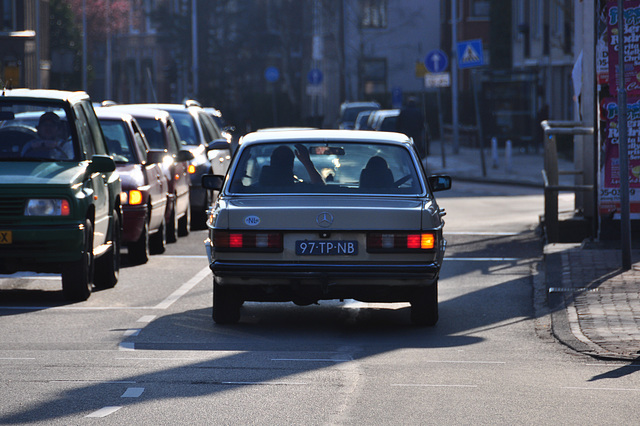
(411, 123)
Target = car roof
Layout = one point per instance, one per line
(326, 135)
(170, 107)
(112, 114)
(45, 94)
(139, 111)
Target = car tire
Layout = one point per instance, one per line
(77, 277)
(424, 306)
(184, 223)
(172, 224)
(139, 250)
(199, 217)
(108, 266)
(158, 240)
(226, 305)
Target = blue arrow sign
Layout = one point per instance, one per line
(436, 61)
(272, 74)
(470, 53)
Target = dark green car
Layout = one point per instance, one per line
(59, 191)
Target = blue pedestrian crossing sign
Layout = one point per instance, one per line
(436, 61)
(470, 53)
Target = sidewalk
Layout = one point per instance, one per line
(594, 307)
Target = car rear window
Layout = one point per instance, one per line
(345, 168)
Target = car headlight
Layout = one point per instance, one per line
(47, 207)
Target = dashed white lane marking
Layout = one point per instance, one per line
(426, 385)
(311, 359)
(147, 318)
(132, 393)
(104, 411)
(602, 389)
(482, 259)
(132, 332)
(481, 233)
(184, 288)
(126, 346)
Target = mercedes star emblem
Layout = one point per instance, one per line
(324, 219)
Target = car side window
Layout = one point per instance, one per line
(94, 128)
(84, 134)
(173, 138)
(206, 128)
(139, 140)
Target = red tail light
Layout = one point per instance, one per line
(400, 242)
(247, 241)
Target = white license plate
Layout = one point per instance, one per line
(326, 247)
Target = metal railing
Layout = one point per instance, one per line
(551, 173)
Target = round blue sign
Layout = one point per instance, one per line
(271, 74)
(314, 76)
(436, 61)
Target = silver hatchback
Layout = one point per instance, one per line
(311, 215)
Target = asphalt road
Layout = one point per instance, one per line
(147, 351)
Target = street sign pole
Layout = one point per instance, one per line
(454, 78)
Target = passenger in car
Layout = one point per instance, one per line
(376, 174)
(279, 172)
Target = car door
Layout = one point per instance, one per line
(154, 177)
(180, 170)
(97, 184)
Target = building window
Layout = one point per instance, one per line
(480, 8)
(374, 13)
(373, 73)
(8, 15)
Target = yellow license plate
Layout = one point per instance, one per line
(5, 237)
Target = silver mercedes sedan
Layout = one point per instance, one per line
(309, 215)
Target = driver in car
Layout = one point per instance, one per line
(280, 170)
(51, 141)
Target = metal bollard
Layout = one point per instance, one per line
(494, 152)
(508, 155)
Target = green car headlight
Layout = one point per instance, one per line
(47, 207)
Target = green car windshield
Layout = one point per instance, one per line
(35, 132)
(334, 168)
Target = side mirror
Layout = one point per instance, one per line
(440, 183)
(156, 155)
(101, 164)
(213, 182)
(219, 144)
(184, 155)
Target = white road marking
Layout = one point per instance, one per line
(126, 346)
(104, 411)
(602, 389)
(132, 393)
(265, 383)
(184, 288)
(426, 385)
(132, 332)
(499, 234)
(147, 318)
(310, 359)
(182, 256)
(482, 259)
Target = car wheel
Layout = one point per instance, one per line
(226, 305)
(199, 217)
(158, 240)
(77, 277)
(139, 250)
(424, 306)
(184, 223)
(108, 266)
(172, 224)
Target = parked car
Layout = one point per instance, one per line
(211, 151)
(309, 215)
(350, 110)
(161, 132)
(144, 184)
(59, 191)
(384, 120)
(362, 120)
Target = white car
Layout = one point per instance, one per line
(310, 215)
